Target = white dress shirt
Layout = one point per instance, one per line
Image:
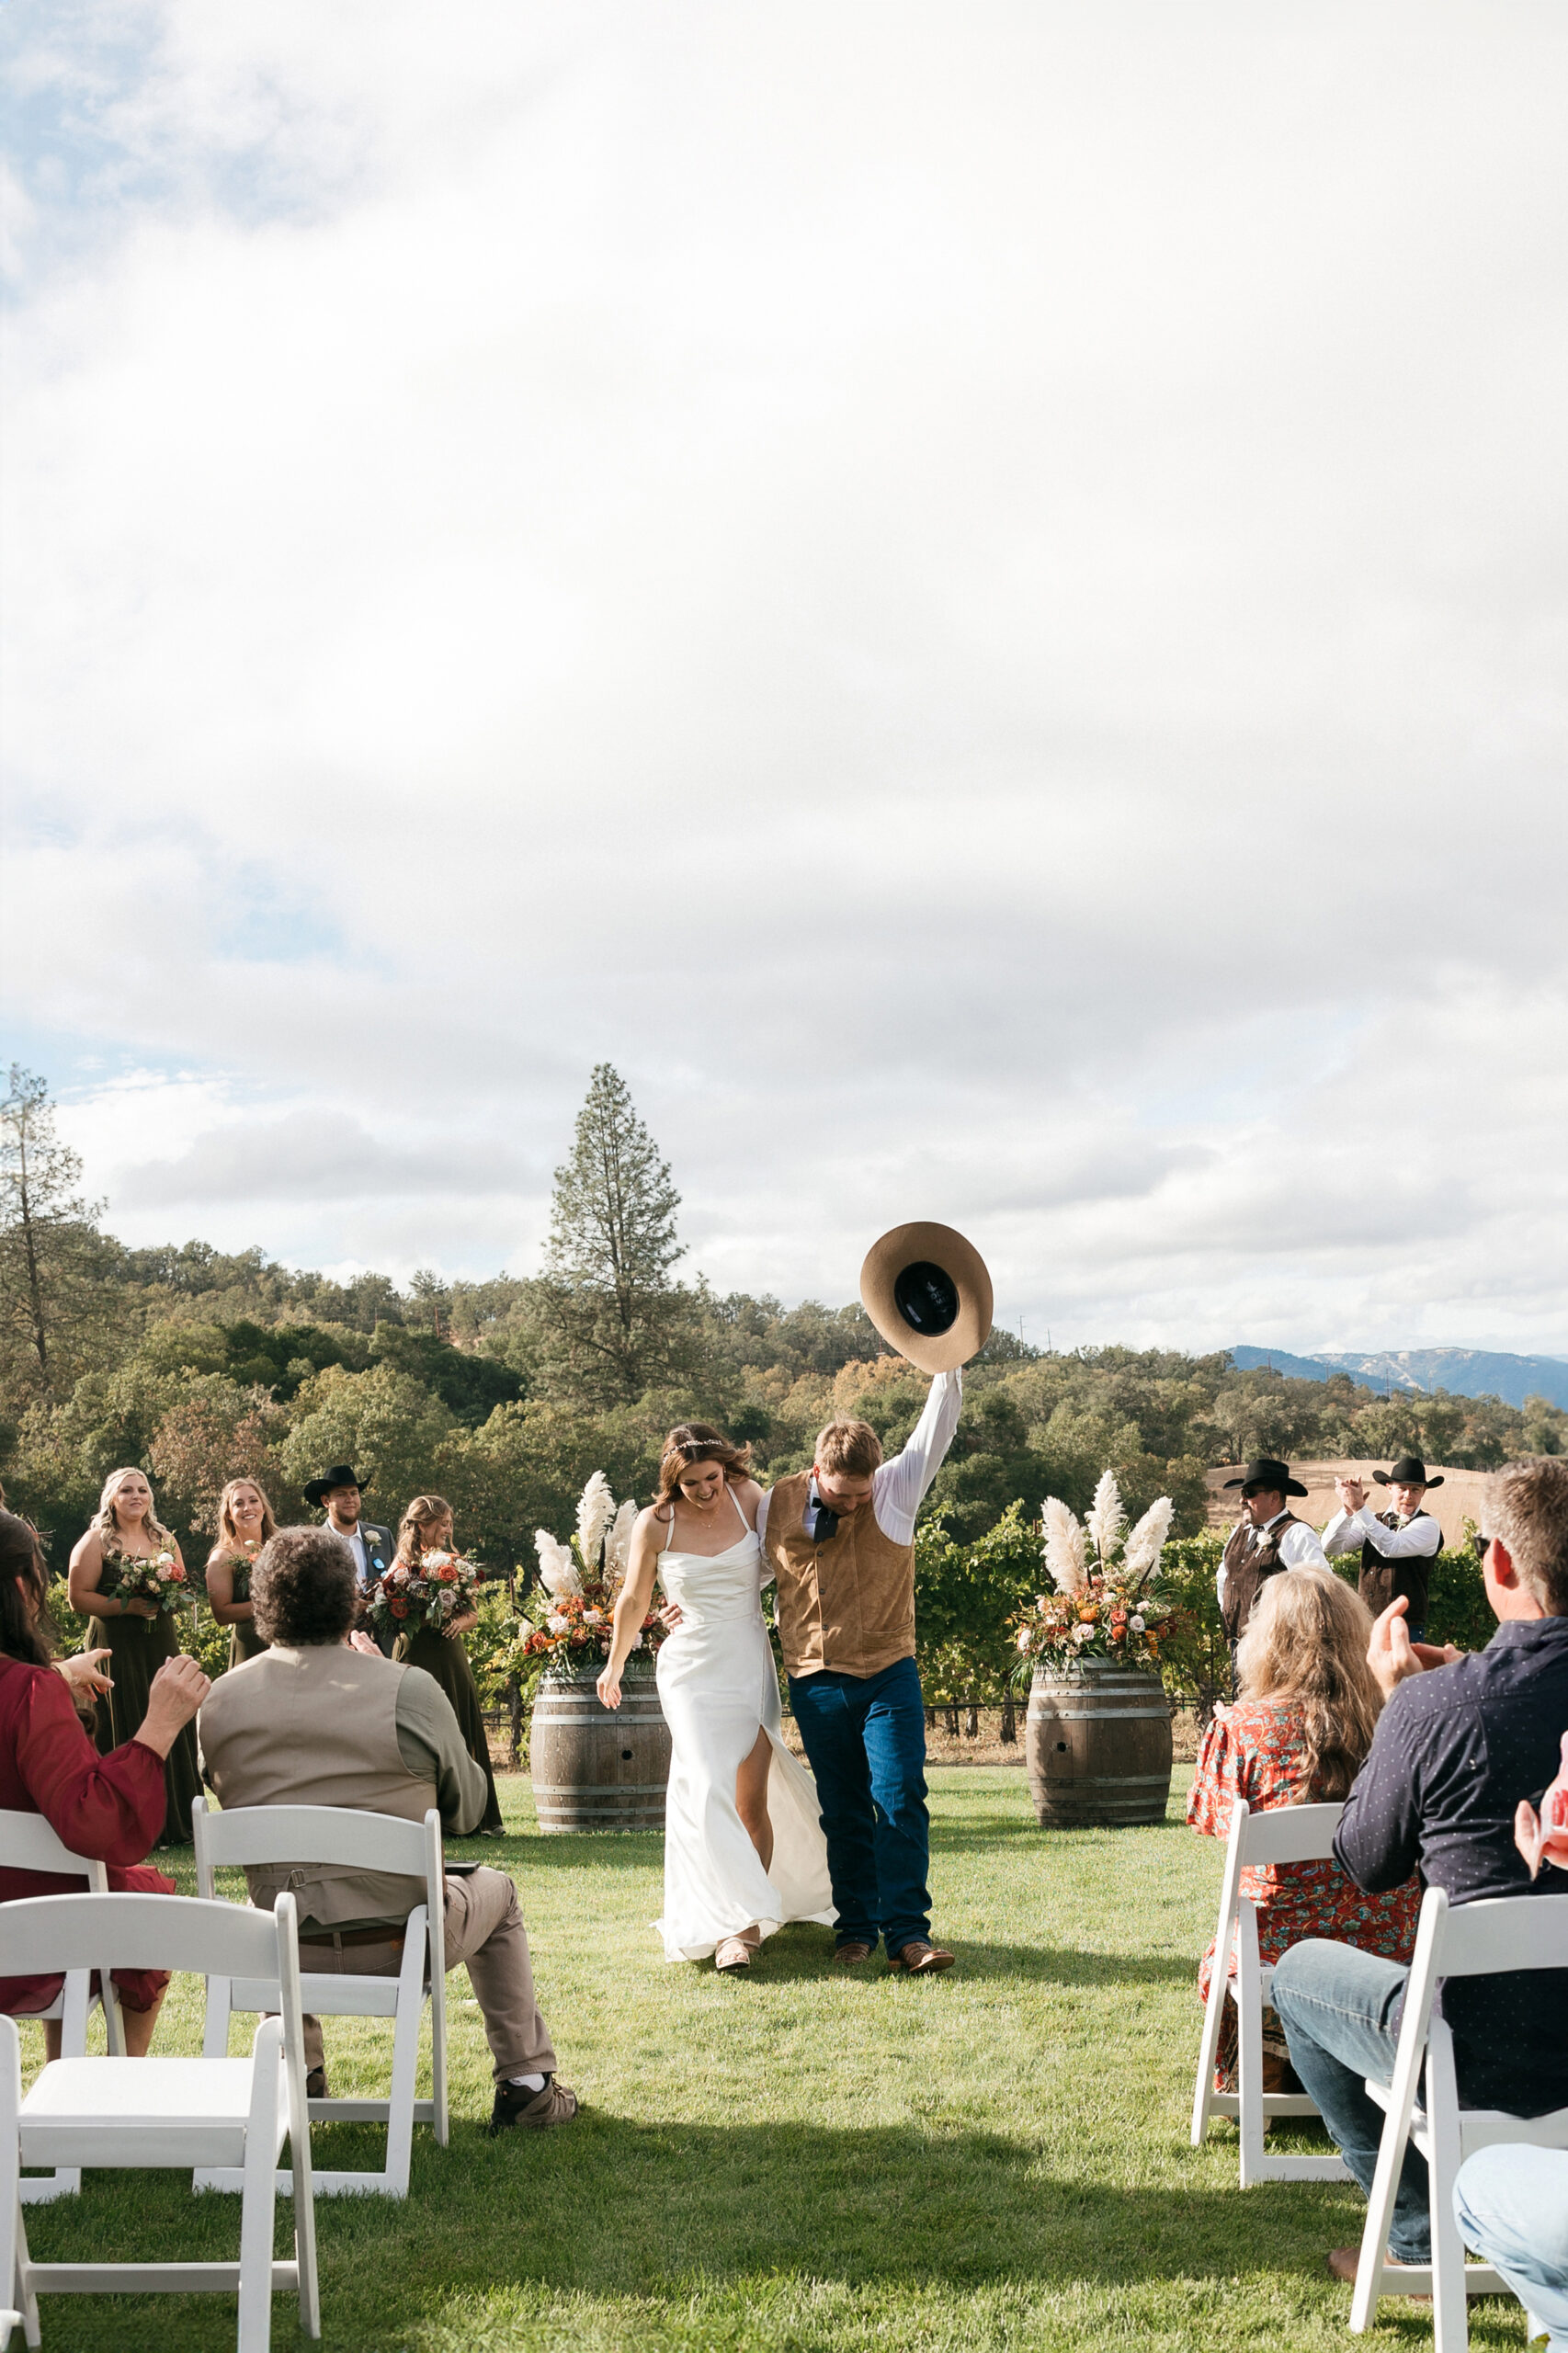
(356, 1543)
(1298, 1549)
(1413, 1538)
(898, 1488)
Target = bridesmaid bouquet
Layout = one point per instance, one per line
(241, 1563)
(569, 1624)
(429, 1592)
(1109, 1603)
(160, 1579)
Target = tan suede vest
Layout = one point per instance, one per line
(848, 1604)
(315, 1727)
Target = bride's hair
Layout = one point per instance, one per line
(690, 1443)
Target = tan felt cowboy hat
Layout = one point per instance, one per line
(926, 1291)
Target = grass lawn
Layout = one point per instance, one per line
(996, 2158)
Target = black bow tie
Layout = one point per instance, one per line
(821, 1525)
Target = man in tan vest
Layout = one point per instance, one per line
(314, 1722)
(840, 1540)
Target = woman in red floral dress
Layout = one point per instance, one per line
(1297, 1736)
(108, 1808)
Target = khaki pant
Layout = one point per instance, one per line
(484, 1930)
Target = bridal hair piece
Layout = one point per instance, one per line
(690, 1443)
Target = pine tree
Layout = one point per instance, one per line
(612, 1244)
(51, 1251)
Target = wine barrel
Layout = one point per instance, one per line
(1097, 1745)
(596, 1768)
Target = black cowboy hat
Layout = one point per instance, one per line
(340, 1475)
(1408, 1472)
(1272, 1477)
(928, 1291)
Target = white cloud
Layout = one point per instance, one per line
(976, 605)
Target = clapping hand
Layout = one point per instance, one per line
(1352, 1493)
(360, 1641)
(1543, 1838)
(85, 1676)
(1392, 1656)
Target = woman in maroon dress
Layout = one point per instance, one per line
(110, 1808)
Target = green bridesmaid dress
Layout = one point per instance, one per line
(139, 1647)
(443, 1657)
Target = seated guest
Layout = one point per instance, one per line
(1511, 2204)
(1459, 1743)
(1397, 1546)
(1265, 1541)
(109, 1808)
(1297, 1736)
(315, 1722)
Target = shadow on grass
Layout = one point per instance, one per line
(652, 2205)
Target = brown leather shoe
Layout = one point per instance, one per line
(515, 2107)
(922, 1959)
(850, 1956)
(1344, 2262)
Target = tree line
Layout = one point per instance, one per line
(504, 1395)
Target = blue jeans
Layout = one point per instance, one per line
(1337, 2004)
(865, 1738)
(1511, 2204)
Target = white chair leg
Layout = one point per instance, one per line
(1209, 2050)
(258, 2196)
(1249, 2049)
(1451, 2318)
(439, 2057)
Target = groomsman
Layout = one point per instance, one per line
(1267, 1538)
(336, 1492)
(1397, 1546)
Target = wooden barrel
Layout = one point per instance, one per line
(1097, 1745)
(596, 1768)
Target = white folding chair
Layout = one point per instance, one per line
(364, 1842)
(164, 2112)
(1288, 1834)
(27, 1844)
(1466, 1940)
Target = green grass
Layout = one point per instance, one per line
(996, 2158)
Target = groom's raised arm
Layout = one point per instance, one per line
(900, 1486)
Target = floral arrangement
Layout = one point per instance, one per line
(241, 1561)
(1107, 1602)
(569, 1624)
(159, 1578)
(430, 1591)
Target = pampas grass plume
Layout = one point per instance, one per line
(557, 1569)
(596, 1510)
(1146, 1542)
(1107, 1518)
(1063, 1545)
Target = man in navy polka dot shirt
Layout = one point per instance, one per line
(1460, 1742)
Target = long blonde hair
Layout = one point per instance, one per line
(1305, 1650)
(228, 1534)
(424, 1512)
(104, 1524)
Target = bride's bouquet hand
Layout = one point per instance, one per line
(608, 1686)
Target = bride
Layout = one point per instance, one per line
(743, 1849)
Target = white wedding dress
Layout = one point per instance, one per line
(719, 1688)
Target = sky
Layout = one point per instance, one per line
(975, 597)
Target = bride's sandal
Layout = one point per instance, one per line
(735, 1953)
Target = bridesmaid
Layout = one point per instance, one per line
(137, 1635)
(245, 1525)
(426, 1527)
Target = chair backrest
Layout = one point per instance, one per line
(1503, 1932)
(40, 1935)
(1288, 1834)
(311, 1834)
(27, 1844)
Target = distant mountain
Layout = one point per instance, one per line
(1465, 1372)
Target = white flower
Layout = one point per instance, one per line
(1137, 1621)
(525, 1628)
(1147, 1539)
(556, 1623)
(596, 1510)
(1107, 1518)
(1064, 1546)
(1082, 1633)
(1023, 1638)
(618, 1544)
(637, 1642)
(593, 1617)
(557, 1569)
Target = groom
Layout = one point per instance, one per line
(840, 1540)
